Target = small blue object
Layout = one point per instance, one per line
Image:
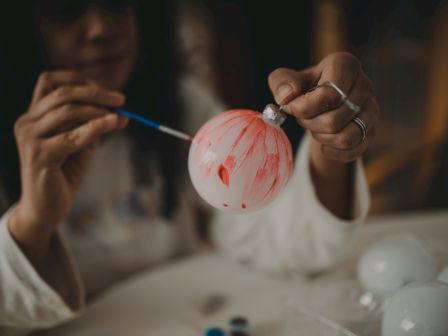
(138, 118)
(214, 332)
(153, 124)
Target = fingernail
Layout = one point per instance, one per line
(286, 108)
(112, 117)
(282, 93)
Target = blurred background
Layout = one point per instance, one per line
(404, 47)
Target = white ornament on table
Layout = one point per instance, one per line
(393, 262)
(419, 309)
(443, 276)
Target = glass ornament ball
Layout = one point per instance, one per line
(395, 261)
(240, 160)
(416, 310)
(443, 276)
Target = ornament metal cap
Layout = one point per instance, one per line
(274, 115)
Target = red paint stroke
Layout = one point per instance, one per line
(253, 145)
(259, 133)
(272, 189)
(267, 172)
(229, 163)
(223, 174)
(287, 151)
(221, 122)
(273, 165)
(274, 171)
(244, 119)
(206, 169)
(239, 137)
(214, 131)
(252, 189)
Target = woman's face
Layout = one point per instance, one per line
(100, 39)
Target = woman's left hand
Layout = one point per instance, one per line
(323, 112)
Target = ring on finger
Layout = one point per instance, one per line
(352, 106)
(362, 126)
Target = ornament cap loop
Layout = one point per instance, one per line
(274, 115)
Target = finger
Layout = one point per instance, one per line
(62, 145)
(50, 80)
(343, 73)
(87, 94)
(341, 69)
(351, 135)
(67, 117)
(79, 163)
(351, 154)
(286, 84)
(332, 122)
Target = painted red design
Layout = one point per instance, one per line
(240, 162)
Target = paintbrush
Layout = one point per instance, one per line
(153, 124)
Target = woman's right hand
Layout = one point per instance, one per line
(56, 139)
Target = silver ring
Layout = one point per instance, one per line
(352, 106)
(362, 126)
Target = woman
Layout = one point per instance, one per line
(113, 199)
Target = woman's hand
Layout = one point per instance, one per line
(322, 111)
(336, 139)
(56, 140)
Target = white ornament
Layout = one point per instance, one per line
(395, 261)
(443, 276)
(418, 310)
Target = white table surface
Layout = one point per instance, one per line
(168, 301)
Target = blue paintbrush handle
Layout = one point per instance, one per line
(153, 124)
(138, 118)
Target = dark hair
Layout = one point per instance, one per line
(151, 91)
